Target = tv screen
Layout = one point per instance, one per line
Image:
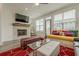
(22, 18)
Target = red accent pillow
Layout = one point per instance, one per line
(68, 33)
(55, 32)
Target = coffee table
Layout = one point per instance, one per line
(49, 49)
(37, 45)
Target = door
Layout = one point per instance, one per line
(47, 25)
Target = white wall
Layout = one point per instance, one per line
(7, 18)
(0, 23)
(66, 8)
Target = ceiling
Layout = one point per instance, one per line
(37, 11)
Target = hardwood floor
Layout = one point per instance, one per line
(9, 45)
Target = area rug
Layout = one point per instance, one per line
(64, 51)
(17, 52)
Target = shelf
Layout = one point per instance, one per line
(21, 24)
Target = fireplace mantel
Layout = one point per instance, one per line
(21, 24)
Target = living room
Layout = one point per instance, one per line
(24, 25)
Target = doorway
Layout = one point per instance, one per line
(47, 27)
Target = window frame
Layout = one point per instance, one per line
(73, 19)
(40, 25)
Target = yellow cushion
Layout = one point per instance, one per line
(61, 37)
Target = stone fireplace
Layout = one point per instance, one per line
(21, 30)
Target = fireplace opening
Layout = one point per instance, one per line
(21, 32)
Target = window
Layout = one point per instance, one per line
(65, 20)
(58, 22)
(69, 14)
(48, 19)
(69, 26)
(69, 20)
(58, 18)
(39, 25)
(58, 26)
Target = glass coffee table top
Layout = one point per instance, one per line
(37, 45)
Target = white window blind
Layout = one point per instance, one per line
(65, 20)
(69, 14)
(58, 18)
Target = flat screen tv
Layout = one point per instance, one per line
(21, 18)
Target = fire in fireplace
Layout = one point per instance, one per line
(21, 32)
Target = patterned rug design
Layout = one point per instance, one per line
(17, 52)
(64, 51)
